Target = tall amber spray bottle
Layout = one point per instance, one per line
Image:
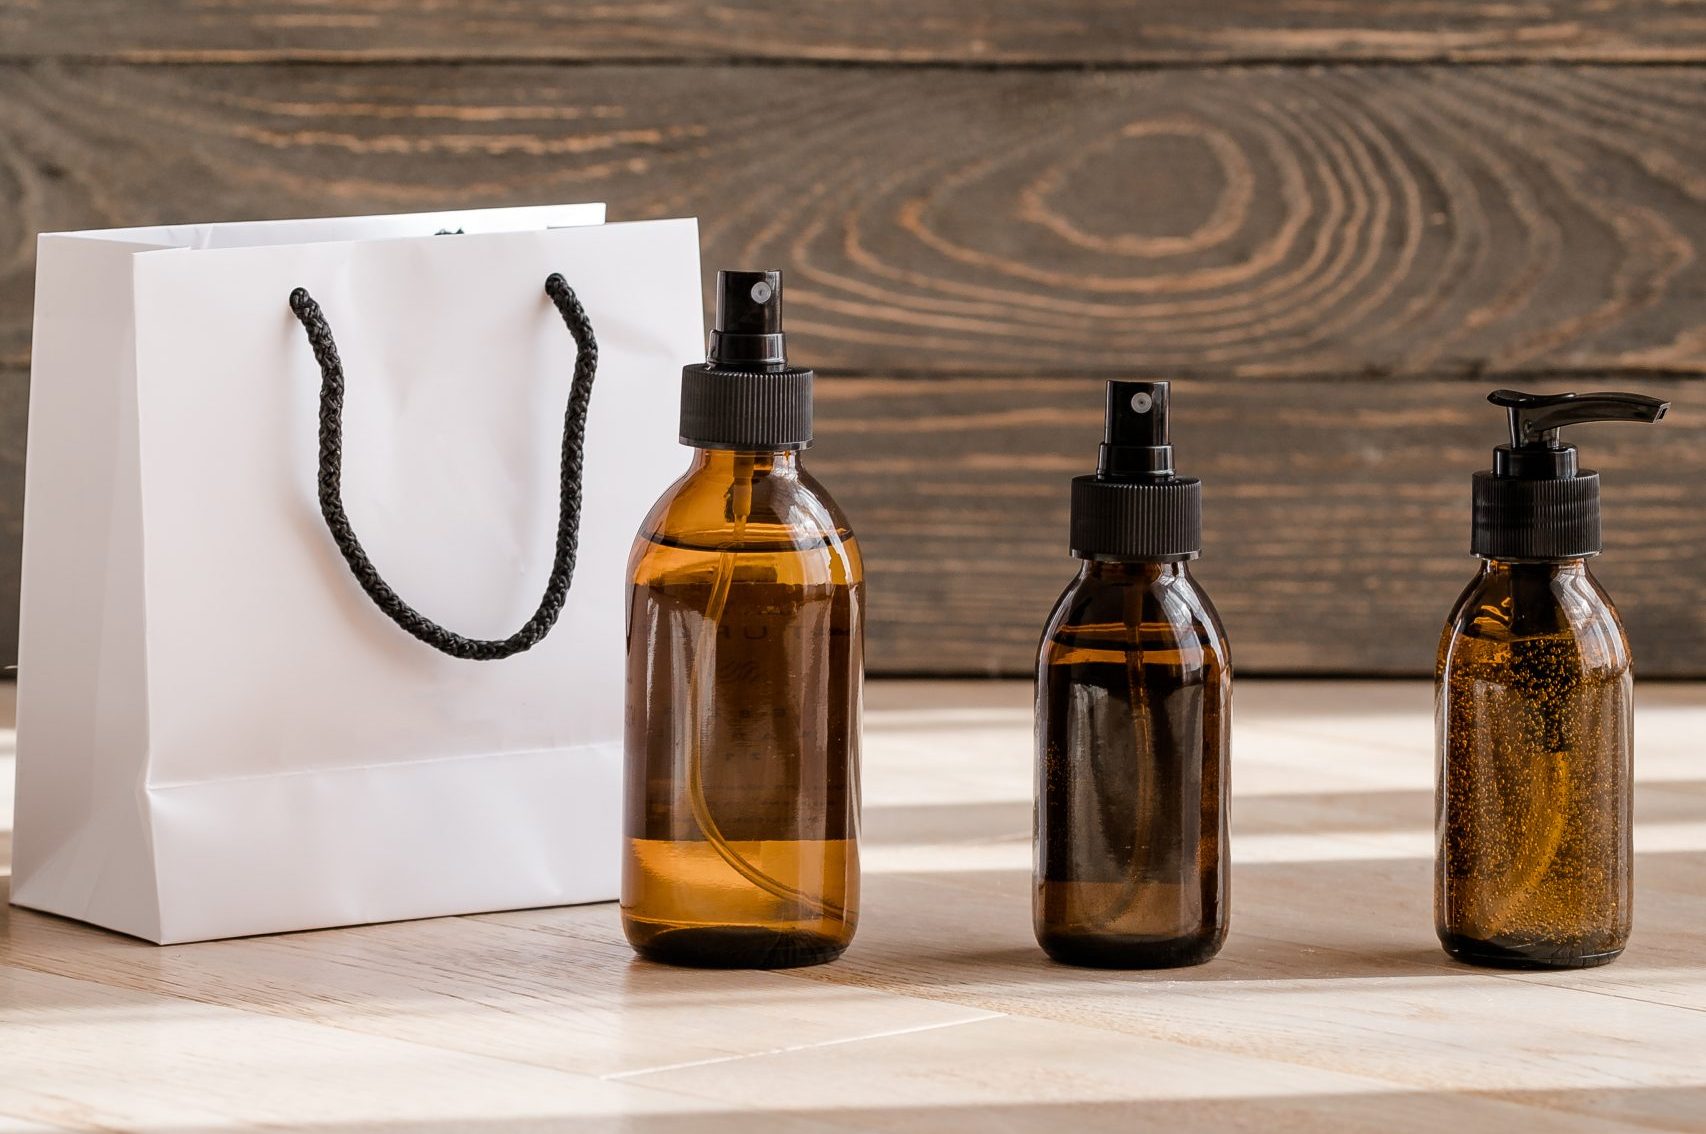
(1134, 692)
(745, 672)
(1534, 711)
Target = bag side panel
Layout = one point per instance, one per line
(81, 844)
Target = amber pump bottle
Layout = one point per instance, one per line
(745, 672)
(1533, 690)
(1134, 692)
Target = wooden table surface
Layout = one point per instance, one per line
(1330, 1009)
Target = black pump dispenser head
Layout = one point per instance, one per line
(1536, 502)
(745, 396)
(1136, 507)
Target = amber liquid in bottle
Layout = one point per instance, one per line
(1133, 722)
(745, 671)
(1534, 691)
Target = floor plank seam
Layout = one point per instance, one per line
(790, 1049)
(1615, 994)
(1678, 60)
(165, 998)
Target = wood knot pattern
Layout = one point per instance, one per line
(1376, 221)
(1371, 222)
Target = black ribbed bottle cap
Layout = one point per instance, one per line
(1135, 506)
(1136, 521)
(745, 395)
(1536, 519)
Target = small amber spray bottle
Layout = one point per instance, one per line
(745, 671)
(1133, 713)
(1533, 692)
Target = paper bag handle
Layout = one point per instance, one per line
(569, 499)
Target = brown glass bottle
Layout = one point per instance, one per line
(1133, 698)
(1133, 717)
(1534, 715)
(745, 673)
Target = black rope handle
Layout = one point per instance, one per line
(569, 507)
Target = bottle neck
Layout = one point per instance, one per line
(1142, 572)
(1534, 568)
(743, 463)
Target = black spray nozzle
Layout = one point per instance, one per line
(748, 327)
(1535, 450)
(745, 396)
(1134, 432)
(1134, 507)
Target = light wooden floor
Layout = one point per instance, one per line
(1330, 1009)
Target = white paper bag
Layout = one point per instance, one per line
(218, 732)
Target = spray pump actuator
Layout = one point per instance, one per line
(745, 396)
(1536, 502)
(1135, 506)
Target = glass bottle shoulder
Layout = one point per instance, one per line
(1511, 609)
(756, 507)
(1112, 611)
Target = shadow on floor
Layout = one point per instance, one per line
(1300, 813)
(1386, 1112)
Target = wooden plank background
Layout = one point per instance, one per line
(929, 32)
(1337, 224)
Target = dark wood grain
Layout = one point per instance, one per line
(1336, 515)
(1326, 257)
(1253, 222)
(869, 31)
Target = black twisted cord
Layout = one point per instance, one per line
(568, 511)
